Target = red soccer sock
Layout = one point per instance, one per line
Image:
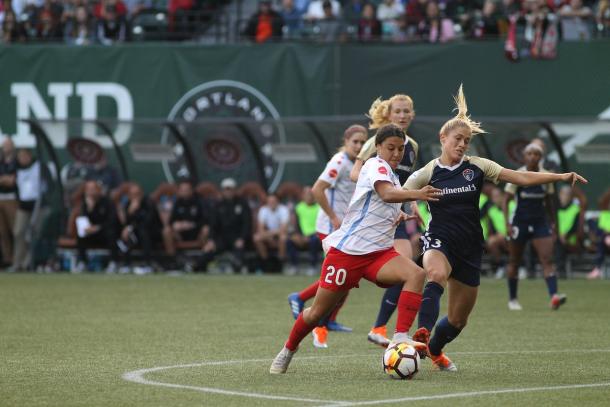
(408, 306)
(333, 315)
(310, 291)
(300, 330)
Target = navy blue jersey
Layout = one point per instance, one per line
(407, 164)
(529, 200)
(455, 218)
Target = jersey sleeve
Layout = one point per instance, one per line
(368, 149)
(378, 170)
(332, 170)
(491, 169)
(420, 178)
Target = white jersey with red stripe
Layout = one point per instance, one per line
(369, 223)
(340, 192)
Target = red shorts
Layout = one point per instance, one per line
(321, 236)
(342, 271)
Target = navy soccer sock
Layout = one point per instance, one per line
(512, 288)
(388, 304)
(430, 305)
(551, 284)
(443, 334)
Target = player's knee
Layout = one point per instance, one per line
(313, 315)
(436, 274)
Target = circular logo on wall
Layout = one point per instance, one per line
(229, 127)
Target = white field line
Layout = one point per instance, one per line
(137, 376)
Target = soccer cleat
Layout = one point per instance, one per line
(422, 335)
(594, 274)
(514, 305)
(319, 337)
(296, 304)
(443, 363)
(558, 300)
(281, 361)
(379, 336)
(403, 337)
(337, 327)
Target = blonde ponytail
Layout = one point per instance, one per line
(462, 119)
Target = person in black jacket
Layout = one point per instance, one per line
(232, 227)
(140, 226)
(96, 226)
(189, 221)
(265, 25)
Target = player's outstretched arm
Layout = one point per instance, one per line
(388, 193)
(527, 178)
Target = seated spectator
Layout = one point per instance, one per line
(389, 12)
(329, 28)
(416, 15)
(29, 188)
(434, 28)
(292, 18)
(603, 231)
(369, 28)
(48, 26)
(189, 221)
(112, 27)
(140, 227)
(12, 31)
(96, 226)
(232, 226)
(602, 18)
(576, 21)
(305, 236)
(265, 25)
(461, 12)
(491, 23)
(272, 229)
(316, 11)
(78, 29)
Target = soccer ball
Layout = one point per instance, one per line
(401, 361)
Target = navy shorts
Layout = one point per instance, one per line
(401, 231)
(523, 231)
(465, 266)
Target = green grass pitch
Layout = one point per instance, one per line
(68, 340)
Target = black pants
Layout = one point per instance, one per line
(105, 239)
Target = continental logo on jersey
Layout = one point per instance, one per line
(468, 174)
(383, 170)
(332, 173)
(460, 190)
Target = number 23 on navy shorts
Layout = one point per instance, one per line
(343, 271)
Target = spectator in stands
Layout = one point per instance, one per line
(78, 29)
(112, 27)
(292, 18)
(602, 18)
(48, 26)
(96, 226)
(351, 11)
(416, 15)
(12, 30)
(434, 28)
(265, 25)
(272, 229)
(8, 199)
(490, 23)
(603, 231)
(232, 226)
(140, 227)
(369, 27)
(304, 235)
(461, 13)
(389, 13)
(181, 18)
(576, 21)
(329, 28)
(189, 221)
(29, 188)
(316, 10)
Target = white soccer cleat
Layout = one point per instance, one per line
(403, 337)
(378, 336)
(281, 361)
(514, 305)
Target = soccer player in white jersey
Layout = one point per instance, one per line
(362, 247)
(333, 191)
(453, 243)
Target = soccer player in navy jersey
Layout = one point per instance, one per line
(453, 243)
(397, 110)
(530, 221)
(363, 247)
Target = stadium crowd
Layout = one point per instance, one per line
(83, 22)
(229, 228)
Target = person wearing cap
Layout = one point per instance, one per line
(232, 225)
(534, 219)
